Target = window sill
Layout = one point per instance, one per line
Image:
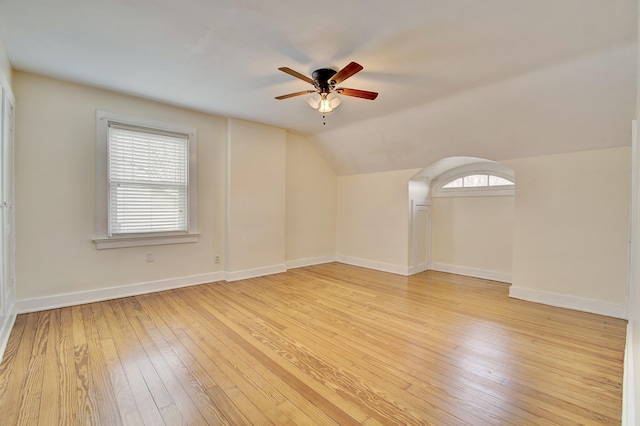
(120, 242)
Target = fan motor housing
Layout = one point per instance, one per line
(322, 77)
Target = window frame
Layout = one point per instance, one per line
(484, 168)
(102, 238)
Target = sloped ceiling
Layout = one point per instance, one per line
(494, 79)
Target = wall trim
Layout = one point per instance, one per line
(99, 295)
(416, 270)
(310, 261)
(628, 384)
(615, 310)
(378, 266)
(256, 272)
(5, 329)
(4, 82)
(472, 272)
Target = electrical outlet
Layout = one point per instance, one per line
(217, 259)
(150, 257)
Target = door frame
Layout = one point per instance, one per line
(418, 205)
(7, 245)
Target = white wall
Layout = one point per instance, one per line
(56, 187)
(473, 233)
(373, 220)
(311, 204)
(256, 185)
(243, 188)
(572, 229)
(587, 101)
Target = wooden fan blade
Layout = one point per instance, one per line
(296, 74)
(291, 95)
(347, 72)
(357, 93)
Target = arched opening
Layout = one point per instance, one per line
(462, 211)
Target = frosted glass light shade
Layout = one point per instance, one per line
(334, 100)
(314, 101)
(325, 103)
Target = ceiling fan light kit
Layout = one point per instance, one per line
(324, 103)
(324, 96)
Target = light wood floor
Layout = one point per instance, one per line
(329, 344)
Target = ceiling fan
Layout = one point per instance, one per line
(324, 81)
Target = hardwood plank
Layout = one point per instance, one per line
(326, 344)
(14, 363)
(124, 397)
(250, 380)
(171, 415)
(125, 348)
(31, 391)
(85, 401)
(303, 391)
(244, 366)
(61, 356)
(154, 383)
(184, 369)
(347, 386)
(101, 387)
(188, 411)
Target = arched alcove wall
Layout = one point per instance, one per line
(469, 235)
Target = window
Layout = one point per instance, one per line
(477, 179)
(146, 182)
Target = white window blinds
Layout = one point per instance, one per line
(148, 181)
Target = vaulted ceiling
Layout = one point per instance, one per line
(495, 79)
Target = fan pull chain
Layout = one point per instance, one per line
(324, 121)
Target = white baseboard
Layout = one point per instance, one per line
(309, 261)
(98, 295)
(257, 272)
(570, 302)
(90, 296)
(379, 266)
(5, 329)
(471, 272)
(629, 407)
(416, 270)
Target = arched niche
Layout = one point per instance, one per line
(449, 221)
